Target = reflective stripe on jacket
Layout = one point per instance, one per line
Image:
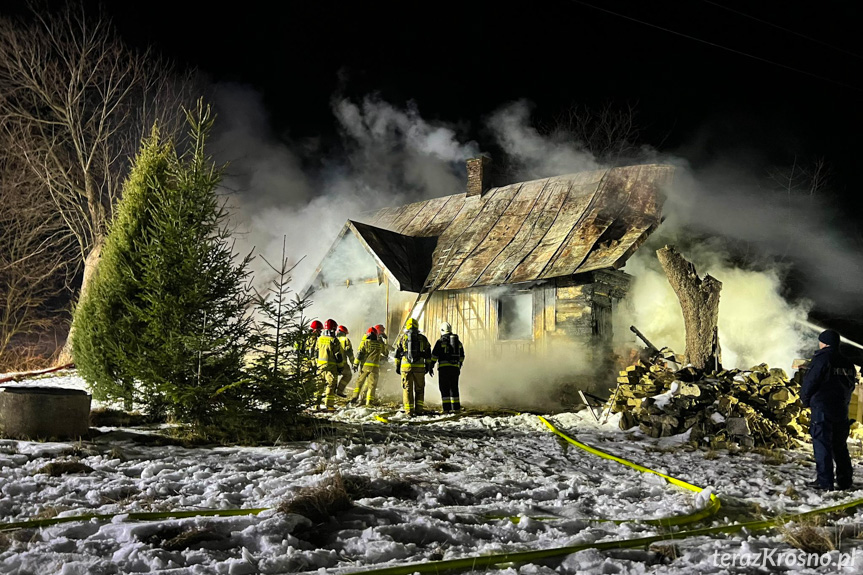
(414, 352)
(329, 352)
(370, 353)
(347, 349)
(448, 351)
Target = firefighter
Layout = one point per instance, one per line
(382, 334)
(827, 389)
(307, 346)
(448, 353)
(369, 357)
(413, 361)
(329, 358)
(345, 369)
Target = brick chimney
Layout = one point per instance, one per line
(478, 175)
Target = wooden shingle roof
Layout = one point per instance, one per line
(533, 230)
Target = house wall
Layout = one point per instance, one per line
(564, 311)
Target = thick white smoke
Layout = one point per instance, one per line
(391, 156)
(532, 154)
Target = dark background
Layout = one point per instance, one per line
(722, 76)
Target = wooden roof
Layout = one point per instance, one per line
(535, 230)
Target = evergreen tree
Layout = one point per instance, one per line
(109, 331)
(175, 326)
(281, 376)
(194, 298)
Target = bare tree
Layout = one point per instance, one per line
(34, 260)
(75, 102)
(609, 132)
(699, 300)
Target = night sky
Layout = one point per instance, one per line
(460, 60)
(759, 83)
(771, 80)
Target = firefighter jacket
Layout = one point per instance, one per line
(347, 349)
(413, 351)
(371, 353)
(307, 346)
(448, 351)
(330, 355)
(828, 385)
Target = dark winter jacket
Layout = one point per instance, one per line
(448, 351)
(828, 384)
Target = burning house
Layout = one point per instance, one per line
(516, 268)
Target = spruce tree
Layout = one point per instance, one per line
(175, 325)
(108, 329)
(194, 299)
(281, 377)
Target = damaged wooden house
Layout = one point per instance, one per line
(512, 268)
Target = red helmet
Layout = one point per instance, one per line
(380, 329)
(371, 331)
(342, 329)
(316, 326)
(330, 325)
(372, 334)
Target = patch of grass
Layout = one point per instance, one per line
(809, 535)
(771, 456)
(58, 468)
(711, 454)
(190, 538)
(792, 492)
(107, 417)
(665, 552)
(50, 511)
(321, 502)
(252, 429)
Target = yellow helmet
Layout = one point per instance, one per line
(411, 323)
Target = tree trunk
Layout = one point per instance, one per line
(90, 265)
(699, 300)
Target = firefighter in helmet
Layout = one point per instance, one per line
(370, 355)
(329, 358)
(345, 368)
(413, 361)
(448, 353)
(382, 334)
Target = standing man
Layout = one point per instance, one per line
(827, 390)
(413, 361)
(448, 353)
(345, 369)
(329, 359)
(369, 357)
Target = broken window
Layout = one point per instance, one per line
(515, 313)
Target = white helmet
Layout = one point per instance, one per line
(445, 327)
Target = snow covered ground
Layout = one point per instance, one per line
(441, 490)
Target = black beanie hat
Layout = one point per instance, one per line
(829, 337)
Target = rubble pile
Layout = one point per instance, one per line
(759, 407)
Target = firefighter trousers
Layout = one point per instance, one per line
(367, 385)
(345, 375)
(448, 383)
(413, 396)
(327, 382)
